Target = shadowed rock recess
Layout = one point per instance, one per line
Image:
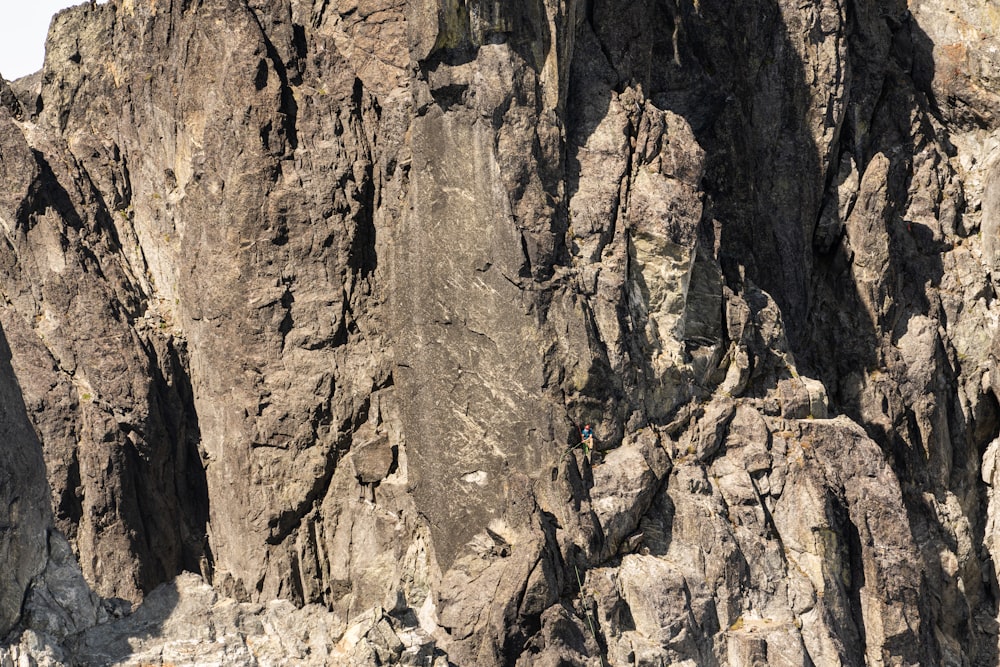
(305, 303)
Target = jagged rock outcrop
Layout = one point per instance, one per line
(26, 517)
(310, 300)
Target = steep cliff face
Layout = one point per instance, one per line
(26, 514)
(312, 299)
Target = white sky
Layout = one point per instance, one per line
(23, 26)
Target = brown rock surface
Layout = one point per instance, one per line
(312, 299)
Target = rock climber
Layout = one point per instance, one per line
(587, 440)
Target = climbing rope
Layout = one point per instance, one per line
(589, 616)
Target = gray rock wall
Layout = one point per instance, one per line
(312, 300)
(26, 515)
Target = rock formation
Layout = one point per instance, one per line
(306, 303)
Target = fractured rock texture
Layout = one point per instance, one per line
(311, 299)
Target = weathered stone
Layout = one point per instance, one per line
(59, 603)
(710, 431)
(25, 515)
(624, 486)
(317, 304)
(960, 70)
(186, 622)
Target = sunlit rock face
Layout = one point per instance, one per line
(307, 304)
